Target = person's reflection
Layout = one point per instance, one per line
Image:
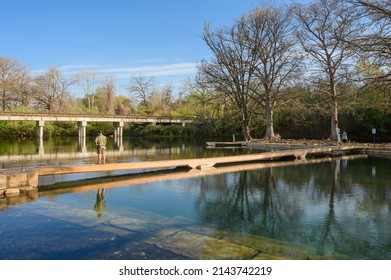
(100, 205)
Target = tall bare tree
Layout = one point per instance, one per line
(88, 81)
(232, 69)
(375, 43)
(51, 90)
(271, 37)
(141, 89)
(109, 96)
(12, 77)
(326, 28)
(203, 104)
(23, 94)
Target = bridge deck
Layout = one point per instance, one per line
(61, 117)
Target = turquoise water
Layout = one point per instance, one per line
(335, 209)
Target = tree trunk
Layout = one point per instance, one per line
(334, 125)
(246, 127)
(246, 131)
(334, 116)
(269, 122)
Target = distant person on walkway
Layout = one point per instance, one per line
(100, 142)
(344, 137)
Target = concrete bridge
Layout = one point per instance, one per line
(82, 120)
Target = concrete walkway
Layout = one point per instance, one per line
(15, 180)
(198, 163)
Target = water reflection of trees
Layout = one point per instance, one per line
(339, 208)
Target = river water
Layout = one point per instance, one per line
(335, 208)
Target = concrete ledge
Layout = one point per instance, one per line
(11, 192)
(15, 181)
(378, 151)
(3, 181)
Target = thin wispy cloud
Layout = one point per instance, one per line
(122, 72)
(156, 71)
(169, 74)
(79, 67)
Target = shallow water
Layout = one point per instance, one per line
(342, 217)
(335, 209)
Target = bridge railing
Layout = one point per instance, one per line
(94, 117)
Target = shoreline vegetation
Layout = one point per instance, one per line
(27, 129)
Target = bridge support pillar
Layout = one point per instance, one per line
(82, 128)
(118, 135)
(82, 135)
(40, 126)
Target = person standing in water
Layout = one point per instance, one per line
(100, 142)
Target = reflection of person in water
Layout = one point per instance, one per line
(100, 205)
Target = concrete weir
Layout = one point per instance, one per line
(14, 181)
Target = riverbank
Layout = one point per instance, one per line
(314, 142)
(372, 149)
(300, 144)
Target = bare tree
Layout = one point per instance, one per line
(141, 88)
(271, 37)
(107, 92)
(161, 100)
(186, 88)
(375, 43)
(326, 28)
(51, 90)
(232, 69)
(23, 95)
(205, 103)
(379, 9)
(167, 99)
(88, 81)
(12, 76)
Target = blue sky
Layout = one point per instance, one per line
(122, 38)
